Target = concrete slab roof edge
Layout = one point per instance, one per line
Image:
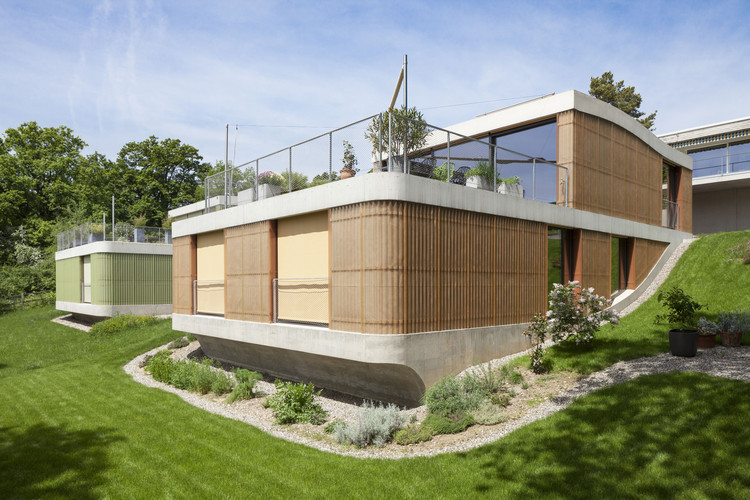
(115, 247)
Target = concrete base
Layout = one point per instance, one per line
(395, 368)
(100, 311)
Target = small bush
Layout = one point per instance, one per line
(413, 434)
(489, 414)
(453, 396)
(120, 322)
(190, 337)
(161, 366)
(374, 425)
(245, 385)
(331, 427)
(177, 344)
(502, 400)
(439, 424)
(295, 403)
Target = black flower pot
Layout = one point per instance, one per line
(683, 342)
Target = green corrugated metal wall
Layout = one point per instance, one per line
(68, 280)
(125, 279)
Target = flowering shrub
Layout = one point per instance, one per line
(574, 313)
(577, 313)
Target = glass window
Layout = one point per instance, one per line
(739, 157)
(709, 161)
(538, 141)
(555, 256)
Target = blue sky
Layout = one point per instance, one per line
(121, 70)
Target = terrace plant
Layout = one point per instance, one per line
(408, 133)
(349, 161)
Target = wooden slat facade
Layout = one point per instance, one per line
(646, 254)
(399, 267)
(596, 265)
(250, 268)
(611, 171)
(184, 272)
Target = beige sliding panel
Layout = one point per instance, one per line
(210, 273)
(302, 286)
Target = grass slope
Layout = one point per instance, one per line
(73, 424)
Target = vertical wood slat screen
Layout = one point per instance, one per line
(596, 262)
(183, 274)
(611, 171)
(398, 267)
(685, 200)
(647, 254)
(249, 271)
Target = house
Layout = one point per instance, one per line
(721, 174)
(381, 284)
(126, 270)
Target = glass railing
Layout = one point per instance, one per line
(93, 232)
(391, 143)
(721, 165)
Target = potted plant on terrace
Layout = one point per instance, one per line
(481, 176)
(707, 331)
(510, 186)
(350, 162)
(731, 324)
(681, 311)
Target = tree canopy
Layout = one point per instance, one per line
(618, 95)
(48, 185)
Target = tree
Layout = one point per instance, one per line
(618, 95)
(158, 176)
(410, 133)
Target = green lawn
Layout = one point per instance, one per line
(75, 425)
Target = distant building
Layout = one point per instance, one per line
(721, 174)
(381, 284)
(100, 274)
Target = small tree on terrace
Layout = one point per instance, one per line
(618, 95)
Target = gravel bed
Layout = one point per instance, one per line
(719, 361)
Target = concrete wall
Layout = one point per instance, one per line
(394, 368)
(721, 210)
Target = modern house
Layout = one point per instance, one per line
(721, 174)
(381, 284)
(125, 270)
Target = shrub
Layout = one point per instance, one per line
(489, 414)
(293, 403)
(120, 322)
(681, 308)
(374, 425)
(453, 396)
(413, 434)
(161, 366)
(331, 427)
(245, 385)
(191, 337)
(577, 313)
(176, 344)
(439, 424)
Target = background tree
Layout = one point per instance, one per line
(618, 95)
(158, 176)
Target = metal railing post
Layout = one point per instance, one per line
(533, 179)
(494, 169)
(380, 142)
(406, 166)
(330, 156)
(448, 163)
(290, 169)
(390, 154)
(257, 173)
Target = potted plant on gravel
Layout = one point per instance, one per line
(731, 325)
(707, 331)
(681, 310)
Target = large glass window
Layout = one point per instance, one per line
(534, 142)
(720, 160)
(558, 256)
